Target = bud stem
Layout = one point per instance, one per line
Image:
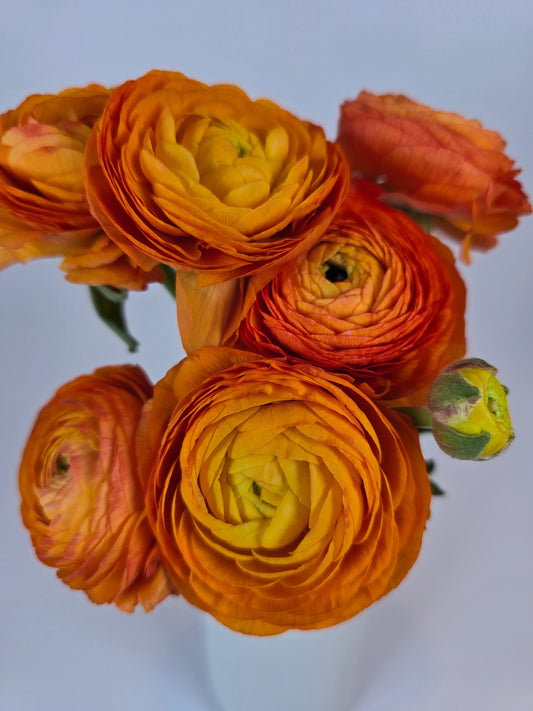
(421, 416)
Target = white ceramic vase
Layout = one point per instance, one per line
(314, 670)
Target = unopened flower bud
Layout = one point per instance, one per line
(468, 405)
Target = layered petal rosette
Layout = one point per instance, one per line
(43, 205)
(82, 498)
(377, 298)
(435, 162)
(203, 178)
(282, 497)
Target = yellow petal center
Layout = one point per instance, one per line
(247, 177)
(260, 482)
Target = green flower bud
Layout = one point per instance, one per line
(468, 405)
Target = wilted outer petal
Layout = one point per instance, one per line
(102, 263)
(282, 497)
(82, 498)
(23, 242)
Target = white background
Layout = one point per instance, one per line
(458, 634)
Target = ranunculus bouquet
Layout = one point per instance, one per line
(274, 477)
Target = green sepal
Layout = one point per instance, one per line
(459, 445)
(109, 305)
(451, 389)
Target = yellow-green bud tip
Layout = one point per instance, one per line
(470, 416)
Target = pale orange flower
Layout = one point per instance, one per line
(82, 498)
(43, 205)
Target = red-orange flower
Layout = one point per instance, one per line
(82, 498)
(203, 178)
(282, 497)
(434, 162)
(377, 298)
(43, 205)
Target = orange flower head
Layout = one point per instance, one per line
(377, 298)
(203, 178)
(282, 497)
(434, 162)
(82, 498)
(43, 205)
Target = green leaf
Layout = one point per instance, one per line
(423, 219)
(112, 294)
(170, 279)
(110, 308)
(436, 490)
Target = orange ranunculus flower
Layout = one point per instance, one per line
(434, 162)
(377, 298)
(203, 178)
(82, 498)
(282, 496)
(43, 205)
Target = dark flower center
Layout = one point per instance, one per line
(334, 273)
(62, 464)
